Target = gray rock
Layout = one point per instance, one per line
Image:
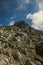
(32, 62)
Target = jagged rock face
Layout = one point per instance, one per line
(39, 48)
(19, 45)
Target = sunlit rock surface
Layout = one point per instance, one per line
(20, 45)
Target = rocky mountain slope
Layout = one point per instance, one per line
(21, 45)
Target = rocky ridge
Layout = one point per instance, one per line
(21, 45)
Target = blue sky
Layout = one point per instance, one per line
(16, 10)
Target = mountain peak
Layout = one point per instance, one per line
(21, 24)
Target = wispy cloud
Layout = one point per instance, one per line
(37, 20)
(22, 4)
(39, 4)
(12, 23)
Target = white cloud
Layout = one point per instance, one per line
(12, 23)
(11, 20)
(37, 20)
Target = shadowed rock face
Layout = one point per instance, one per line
(21, 24)
(39, 48)
(19, 45)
